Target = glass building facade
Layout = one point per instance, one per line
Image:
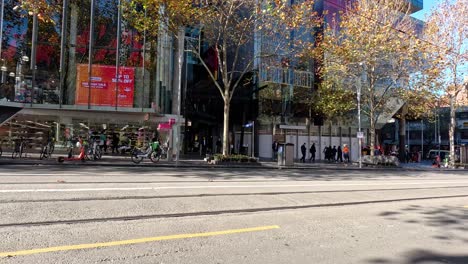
(132, 90)
(144, 81)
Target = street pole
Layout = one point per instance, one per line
(253, 138)
(62, 50)
(177, 109)
(422, 139)
(359, 123)
(33, 54)
(90, 51)
(438, 126)
(144, 67)
(117, 54)
(407, 135)
(1, 26)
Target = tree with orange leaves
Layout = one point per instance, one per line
(447, 32)
(230, 28)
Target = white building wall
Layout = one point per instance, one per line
(265, 142)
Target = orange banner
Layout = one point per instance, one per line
(103, 86)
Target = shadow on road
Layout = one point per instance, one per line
(217, 174)
(425, 257)
(450, 224)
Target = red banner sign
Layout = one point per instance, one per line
(103, 86)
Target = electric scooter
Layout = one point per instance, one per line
(81, 156)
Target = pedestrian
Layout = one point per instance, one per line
(115, 143)
(303, 151)
(218, 145)
(330, 153)
(103, 141)
(274, 149)
(339, 154)
(326, 153)
(203, 146)
(334, 151)
(346, 153)
(312, 151)
(407, 155)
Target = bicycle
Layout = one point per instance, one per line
(20, 149)
(161, 153)
(47, 150)
(138, 155)
(94, 151)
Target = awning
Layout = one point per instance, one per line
(8, 112)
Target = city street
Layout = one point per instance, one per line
(73, 214)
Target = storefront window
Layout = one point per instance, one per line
(37, 131)
(138, 80)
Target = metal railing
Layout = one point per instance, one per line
(286, 76)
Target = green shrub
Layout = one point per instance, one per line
(234, 158)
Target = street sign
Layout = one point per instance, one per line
(360, 134)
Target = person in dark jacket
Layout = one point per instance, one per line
(339, 154)
(303, 151)
(334, 151)
(274, 149)
(312, 151)
(327, 152)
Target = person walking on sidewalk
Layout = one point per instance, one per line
(346, 153)
(312, 151)
(334, 151)
(274, 149)
(303, 151)
(339, 154)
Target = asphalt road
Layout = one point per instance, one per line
(167, 215)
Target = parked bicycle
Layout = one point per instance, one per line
(20, 149)
(47, 150)
(153, 152)
(1, 150)
(93, 151)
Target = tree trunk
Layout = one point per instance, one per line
(401, 139)
(244, 121)
(372, 134)
(226, 127)
(452, 132)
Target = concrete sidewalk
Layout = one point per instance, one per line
(198, 162)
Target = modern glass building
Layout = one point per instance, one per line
(122, 81)
(283, 118)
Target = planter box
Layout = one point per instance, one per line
(235, 163)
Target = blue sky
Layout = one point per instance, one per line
(428, 4)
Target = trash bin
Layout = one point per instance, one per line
(464, 154)
(286, 154)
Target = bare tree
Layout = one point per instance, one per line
(230, 28)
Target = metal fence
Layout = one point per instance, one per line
(286, 76)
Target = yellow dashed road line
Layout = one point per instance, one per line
(135, 241)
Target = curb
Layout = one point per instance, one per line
(206, 166)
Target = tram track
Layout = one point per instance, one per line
(219, 212)
(202, 195)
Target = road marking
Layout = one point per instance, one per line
(211, 187)
(135, 241)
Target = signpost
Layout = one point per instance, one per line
(360, 134)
